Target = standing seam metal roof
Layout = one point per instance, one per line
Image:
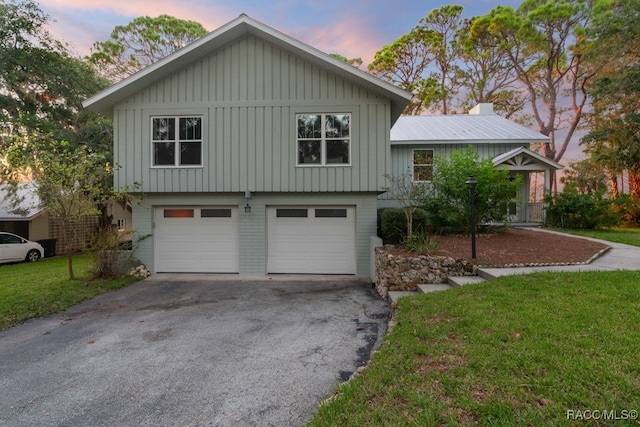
(463, 128)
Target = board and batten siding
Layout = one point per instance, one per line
(248, 94)
(402, 157)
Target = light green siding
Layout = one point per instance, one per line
(249, 93)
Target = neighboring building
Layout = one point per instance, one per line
(29, 220)
(25, 219)
(256, 154)
(415, 140)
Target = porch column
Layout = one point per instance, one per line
(547, 181)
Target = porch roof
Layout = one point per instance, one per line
(522, 158)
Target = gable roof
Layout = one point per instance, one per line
(28, 207)
(462, 129)
(103, 101)
(521, 157)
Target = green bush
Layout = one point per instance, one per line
(571, 209)
(449, 203)
(628, 210)
(393, 223)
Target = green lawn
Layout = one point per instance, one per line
(520, 350)
(37, 289)
(628, 236)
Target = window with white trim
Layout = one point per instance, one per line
(422, 165)
(323, 139)
(177, 141)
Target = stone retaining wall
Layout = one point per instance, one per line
(405, 273)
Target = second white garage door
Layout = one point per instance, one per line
(196, 239)
(311, 240)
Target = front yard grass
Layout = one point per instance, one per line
(520, 350)
(37, 289)
(628, 236)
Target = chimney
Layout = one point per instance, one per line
(484, 108)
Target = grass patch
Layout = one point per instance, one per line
(30, 290)
(519, 350)
(628, 236)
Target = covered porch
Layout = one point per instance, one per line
(528, 207)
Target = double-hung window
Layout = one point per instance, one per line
(422, 165)
(323, 139)
(177, 141)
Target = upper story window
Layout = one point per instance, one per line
(177, 141)
(422, 165)
(324, 139)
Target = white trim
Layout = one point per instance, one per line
(413, 164)
(323, 140)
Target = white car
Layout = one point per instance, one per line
(16, 249)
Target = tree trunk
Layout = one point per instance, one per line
(634, 185)
(70, 265)
(613, 183)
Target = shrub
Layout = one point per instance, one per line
(571, 209)
(393, 223)
(628, 210)
(112, 256)
(449, 203)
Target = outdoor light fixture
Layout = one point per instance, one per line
(471, 182)
(247, 207)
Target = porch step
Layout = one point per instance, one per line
(426, 288)
(465, 280)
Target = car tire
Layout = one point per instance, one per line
(32, 256)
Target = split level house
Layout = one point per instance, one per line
(257, 154)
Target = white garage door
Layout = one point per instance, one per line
(196, 239)
(311, 240)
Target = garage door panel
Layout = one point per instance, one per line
(312, 244)
(202, 243)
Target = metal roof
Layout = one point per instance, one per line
(461, 129)
(27, 209)
(104, 101)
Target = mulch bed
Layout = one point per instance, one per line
(520, 247)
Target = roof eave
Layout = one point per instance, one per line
(465, 141)
(104, 101)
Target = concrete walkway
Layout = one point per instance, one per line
(618, 257)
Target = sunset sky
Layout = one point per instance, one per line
(355, 28)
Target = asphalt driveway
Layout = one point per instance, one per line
(190, 351)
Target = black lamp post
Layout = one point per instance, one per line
(471, 182)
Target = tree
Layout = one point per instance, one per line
(586, 176)
(404, 63)
(440, 30)
(41, 84)
(141, 43)
(446, 62)
(545, 43)
(409, 193)
(614, 137)
(356, 62)
(448, 204)
(485, 73)
(67, 180)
